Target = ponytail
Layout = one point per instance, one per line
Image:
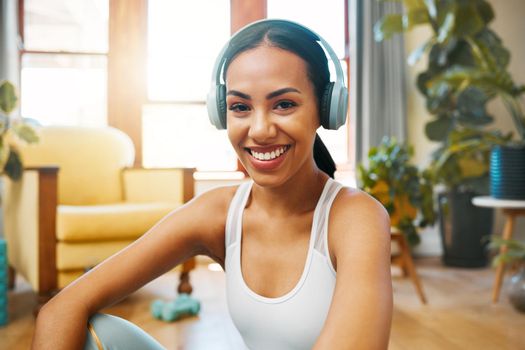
(322, 157)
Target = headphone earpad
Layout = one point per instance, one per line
(324, 110)
(221, 104)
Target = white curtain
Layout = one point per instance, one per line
(377, 87)
(8, 41)
(9, 67)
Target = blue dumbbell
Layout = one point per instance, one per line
(183, 305)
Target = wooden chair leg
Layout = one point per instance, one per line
(184, 281)
(500, 271)
(11, 276)
(407, 264)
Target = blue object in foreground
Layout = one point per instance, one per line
(183, 305)
(3, 282)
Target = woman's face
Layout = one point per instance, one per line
(272, 114)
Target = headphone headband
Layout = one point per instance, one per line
(334, 104)
(221, 58)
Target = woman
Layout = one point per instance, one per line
(307, 260)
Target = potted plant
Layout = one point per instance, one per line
(467, 67)
(10, 129)
(513, 253)
(404, 191)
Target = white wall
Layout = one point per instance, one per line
(510, 27)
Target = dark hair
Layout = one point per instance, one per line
(290, 37)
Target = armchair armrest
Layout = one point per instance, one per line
(29, 208)
(158, 184)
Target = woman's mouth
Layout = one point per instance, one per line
(268, 158)
(268, 155)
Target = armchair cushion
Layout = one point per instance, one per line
(90, 161)
(107, 222)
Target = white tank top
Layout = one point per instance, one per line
(294, 320)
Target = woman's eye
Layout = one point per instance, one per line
(238, 107)
(285, 105)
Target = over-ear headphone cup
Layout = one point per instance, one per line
(324, 110)
(221, 104)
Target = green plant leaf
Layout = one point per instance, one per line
(440, 99)
(471, 107)
(445, 30)
(13, 167)
(492, 49)
(485, 11)
(387, 26)
(25, 132)
(497, 242)
(415, 17)
(8, 97)
(412, 5)
(472, 166)
(431, 8)
(437, 130)
(469, 21)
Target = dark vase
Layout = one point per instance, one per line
(462, 228)
(507, 172)
(517, 290)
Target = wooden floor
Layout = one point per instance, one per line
(459, 314)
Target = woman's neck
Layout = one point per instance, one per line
(297, 195)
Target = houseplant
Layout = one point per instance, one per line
(404, 191)
(467, 67)
(513, 253)
(11, 131)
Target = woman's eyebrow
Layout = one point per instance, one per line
(281, 91)
(239, 94)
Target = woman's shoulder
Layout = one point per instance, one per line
(353, 200)
(355, 212)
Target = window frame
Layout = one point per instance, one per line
(22, 51)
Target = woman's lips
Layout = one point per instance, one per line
(270, 164)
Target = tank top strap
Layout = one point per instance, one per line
(235, 210)
(322, 220)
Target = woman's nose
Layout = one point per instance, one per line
(262, 127)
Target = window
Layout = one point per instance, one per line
(184, 38)
(326, 18)
(64, 61)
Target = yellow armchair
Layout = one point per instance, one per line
(79, 201)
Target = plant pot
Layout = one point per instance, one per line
(517, 290)
(507, 172)
(462, 228)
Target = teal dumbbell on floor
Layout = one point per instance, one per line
(3, 282)
(183, 305)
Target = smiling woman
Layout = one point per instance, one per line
(307, 260)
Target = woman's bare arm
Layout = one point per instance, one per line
(361, 310)
(187, 231)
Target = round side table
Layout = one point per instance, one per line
(511, 210)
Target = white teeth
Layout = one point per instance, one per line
(267, 156)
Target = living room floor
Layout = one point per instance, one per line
(459, 313)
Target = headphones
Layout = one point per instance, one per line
(334, 103)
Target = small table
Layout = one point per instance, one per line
(511, 209)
